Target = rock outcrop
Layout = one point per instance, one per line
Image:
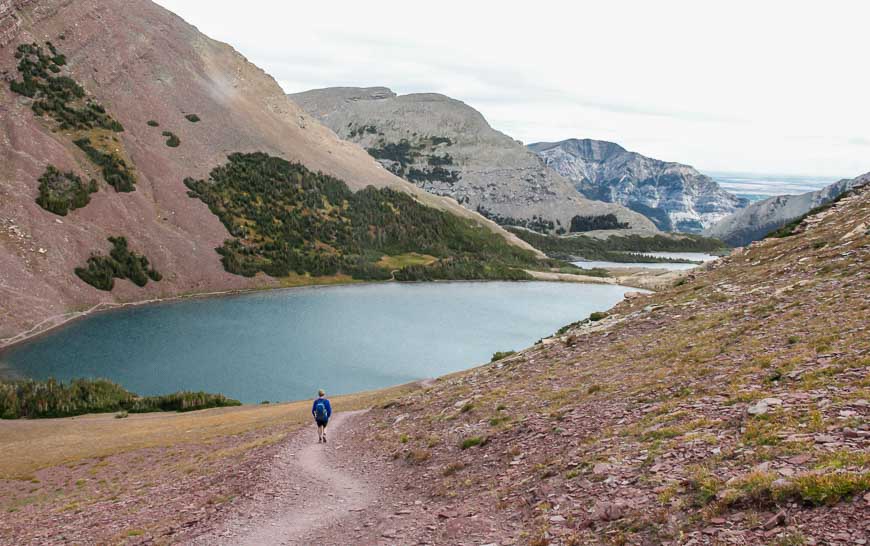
(447, 148)
(674, 196)
(142, 64)
(762, 217)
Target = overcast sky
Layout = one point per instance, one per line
(766, 87)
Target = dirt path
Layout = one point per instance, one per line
(309, 489)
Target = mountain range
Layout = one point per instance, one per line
(447, 148)
(675, 196)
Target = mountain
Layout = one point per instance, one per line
(674, 196)
(107, 107)
(447, 148)
(762, 217)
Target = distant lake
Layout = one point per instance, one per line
(285, 344)
(693, 256)
(761, 186)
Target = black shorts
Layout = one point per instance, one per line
(322, 423)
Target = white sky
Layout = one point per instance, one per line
(752, 86)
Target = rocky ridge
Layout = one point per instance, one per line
(762, 217)
(674, 196)
(447, 148)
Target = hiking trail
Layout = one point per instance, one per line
(309, 489)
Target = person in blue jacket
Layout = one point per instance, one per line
(322, 411)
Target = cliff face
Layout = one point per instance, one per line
(141, 63)
(762, 217)
(674, 196)
(447, 148)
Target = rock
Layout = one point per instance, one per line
(601, 468)
(608, 511)
(800, 459)
(759, 408)
(825, 439)
(776, 520)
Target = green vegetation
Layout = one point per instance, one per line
(472, 442)
(618, 248)
(121, 263)
(404, 154)
(435, 174)
(361, 130)
(501, 354)
(536, 223)
(592, 223)
(811, 488)
(287, 219)
(115, 170)
(61, 192)
(153, 123)
(59, 97)
(51, 398)
(172, 139)
(193, 118)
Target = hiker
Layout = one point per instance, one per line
(322, 411)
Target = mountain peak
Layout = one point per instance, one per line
(675, 196)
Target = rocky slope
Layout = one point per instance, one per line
(135, 64)
(730, 409)
(448, 148)
(674, 196)
(762, 217)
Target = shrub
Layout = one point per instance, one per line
(59, 97)
(193, 118)
(172, 139)
(115, 170)
(592, 223)
(418, 456)
(61, 192)
(153, 123)
(472, 442)
(51, 398)
(598, 315)
(501, 354)
(121, 263)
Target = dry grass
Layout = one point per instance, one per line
(30, 445)
(404, 260)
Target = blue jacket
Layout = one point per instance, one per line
(328, 407)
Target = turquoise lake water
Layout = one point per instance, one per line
(285, 344)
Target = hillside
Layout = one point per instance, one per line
(762, 217)
(674, 196)
(105, 109)
(447, 148)
(731, 408)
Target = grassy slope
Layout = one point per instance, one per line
(637, 428)
(100, 479)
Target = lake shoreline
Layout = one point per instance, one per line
(177, 343)
(54, 323)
